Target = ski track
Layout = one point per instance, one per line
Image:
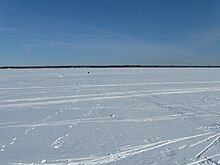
(114, 85)
(199, 112)
(207, 148)
(100, 120)
(203, 160)
(195, 119)
(114, 96)
(169, 91)
(124, 153)
(199, 142)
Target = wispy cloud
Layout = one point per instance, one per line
(9, 29)
(51, 35)
(205, 36)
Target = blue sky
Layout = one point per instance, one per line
(59, 32)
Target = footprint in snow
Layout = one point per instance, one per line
(43, 161)
(3, 148)
(10, 143)
(170, 152)
(58, 143)
(29, 129)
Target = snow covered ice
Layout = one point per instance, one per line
(130, 116)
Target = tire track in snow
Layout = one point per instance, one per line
(166, 91)
(203, 160)
(101, 120)
(128, 152)
(202, 122)
(124, 153)
(204, 140)
(196, 119)
(132, 94)
(114, 85)
(207, 147)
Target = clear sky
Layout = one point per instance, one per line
(58, 32)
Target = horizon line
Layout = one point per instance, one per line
(106, 66)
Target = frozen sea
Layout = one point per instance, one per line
(141, 116)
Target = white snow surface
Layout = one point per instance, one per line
(146, 116)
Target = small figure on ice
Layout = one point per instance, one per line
(113, 115)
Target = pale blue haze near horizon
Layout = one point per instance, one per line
(150, 32)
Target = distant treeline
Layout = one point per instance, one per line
(109, 66)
